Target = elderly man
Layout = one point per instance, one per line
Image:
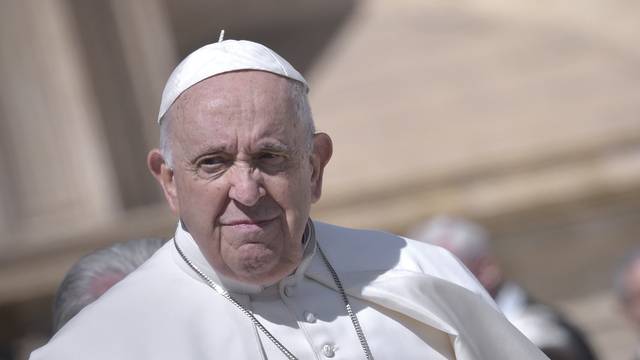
(248, 275)
(543, 325)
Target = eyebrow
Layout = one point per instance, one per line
(272, 146)
(267, 145)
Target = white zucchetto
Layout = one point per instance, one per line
(222, 57)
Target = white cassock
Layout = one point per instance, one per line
(413, 300)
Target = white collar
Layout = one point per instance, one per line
(192, 251)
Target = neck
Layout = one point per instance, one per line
(185, 241)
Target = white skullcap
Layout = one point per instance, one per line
(222, 57)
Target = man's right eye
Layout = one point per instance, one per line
(211, 164)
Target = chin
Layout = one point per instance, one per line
(269, 271)
(256, 268)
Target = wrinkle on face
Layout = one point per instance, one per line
(247, 218)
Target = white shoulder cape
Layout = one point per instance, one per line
(164, 311)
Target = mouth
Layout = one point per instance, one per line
(248, 224)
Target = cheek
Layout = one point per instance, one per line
(294, 197)
(199, 199)
(293, 194)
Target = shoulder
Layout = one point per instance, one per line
(157, 276)
(151, 303)
(356, 250)
(379, 250)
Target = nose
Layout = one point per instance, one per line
(246, 187)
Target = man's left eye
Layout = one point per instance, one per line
(211, 161)
(271, 159)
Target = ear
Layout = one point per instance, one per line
(322, 150)
(164, 175)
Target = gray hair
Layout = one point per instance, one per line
(75, 291)
(465, 239)
(298, 92)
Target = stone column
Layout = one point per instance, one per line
(150, 54)
(56, 170)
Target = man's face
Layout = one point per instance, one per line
(244, 177)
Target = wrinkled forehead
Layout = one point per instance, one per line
(246, 89)
(255, 101)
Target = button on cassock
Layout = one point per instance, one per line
(309, 317)
(328, 350)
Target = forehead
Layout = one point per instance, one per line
(244, 104)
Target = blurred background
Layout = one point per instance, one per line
(521, 115)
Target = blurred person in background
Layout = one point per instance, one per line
(543, 325)
(627, 287)
(97, 272)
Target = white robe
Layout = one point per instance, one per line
(413, 300)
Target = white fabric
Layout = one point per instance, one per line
(537, 322)
(285, 308)
(414, 301)
(221, 57)
(511, 300)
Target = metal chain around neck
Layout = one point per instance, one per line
(352, 315)
(225, 294)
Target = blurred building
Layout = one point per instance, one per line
(78, 101)
(521, 116)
